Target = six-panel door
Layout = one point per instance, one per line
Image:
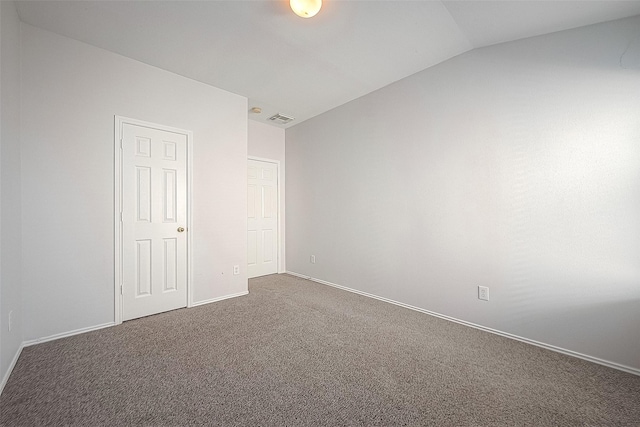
(262, 218)
(154, 193)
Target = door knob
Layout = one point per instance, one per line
(180, 229)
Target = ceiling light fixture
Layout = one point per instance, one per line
(305, 8)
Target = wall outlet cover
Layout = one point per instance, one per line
(483, 293)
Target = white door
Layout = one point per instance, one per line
(262, 218)
(154, 214)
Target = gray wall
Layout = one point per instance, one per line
(515, 166)
(70, 94)
(10, 212)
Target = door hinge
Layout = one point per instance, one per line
(120, 216)
(120, 142)
(121, 291)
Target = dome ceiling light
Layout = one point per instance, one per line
(305, 8)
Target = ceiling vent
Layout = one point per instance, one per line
(281, 118)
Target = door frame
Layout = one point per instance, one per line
(119, 122)
(280, 267)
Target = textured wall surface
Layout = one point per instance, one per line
(10, 212)
(71, 93)
(515, 166)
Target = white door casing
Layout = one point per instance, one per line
(262, 218)
(154, 220)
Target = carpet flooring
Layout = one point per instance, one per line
(297, 353)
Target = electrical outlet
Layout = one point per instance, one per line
(10, 320)
(236, 269)
(483, 293)
(313, 259)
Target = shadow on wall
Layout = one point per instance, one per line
(630, 59)
(610, 330)
(570, 48)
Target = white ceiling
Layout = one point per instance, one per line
(304, 67)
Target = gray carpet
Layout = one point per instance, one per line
(296, 353)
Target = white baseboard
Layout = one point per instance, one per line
(11, 366)
(45, 339)
(67, 334)
(106, 325)
(208, 301)
(586, 357)
(82, 331)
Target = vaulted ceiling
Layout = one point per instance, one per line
(304, 67)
